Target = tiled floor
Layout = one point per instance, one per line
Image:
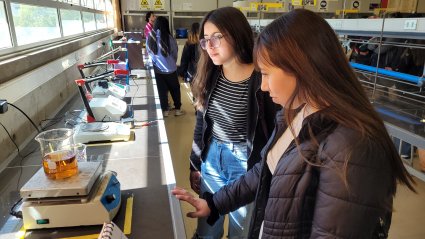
(409, 208)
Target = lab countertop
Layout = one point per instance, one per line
(144, 169)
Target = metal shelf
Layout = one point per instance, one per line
(409, 28)
(188, 17)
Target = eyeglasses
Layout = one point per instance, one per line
(214, 42)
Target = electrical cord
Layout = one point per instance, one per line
(52, 122)
(16, 145)
(13, 141)
(70, 118)
(14, 213)
(75, 120)
(32, 122)
(137, 89)
(11, 138)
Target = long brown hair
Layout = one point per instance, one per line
(303, 44)
(233, 25)
(193, 37)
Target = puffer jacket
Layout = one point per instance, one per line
(305, 201)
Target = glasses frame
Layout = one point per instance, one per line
(207, 41)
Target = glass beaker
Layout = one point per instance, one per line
(59, 161)
(80, 151)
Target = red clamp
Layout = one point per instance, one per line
(120, 72)
(90, 119)
(80, 82)
(112, 61)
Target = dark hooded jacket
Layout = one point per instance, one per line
(304, 201)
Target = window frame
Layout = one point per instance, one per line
(51, 4)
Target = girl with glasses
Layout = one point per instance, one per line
(330, 169)
(234, 118)
(162, 49)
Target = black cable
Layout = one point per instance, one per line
(137, 89)
(31, 152)
(32, 122)
(12, 212)
(51, 122)
(12, 209)
(17, 214)
(75, 120)
(13, 141)
(19, 154)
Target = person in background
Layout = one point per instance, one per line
(150, 19)
(361, 54)
(162, 49)
(234, 118)
(416, 59)
(413, 63)
(190, 54)
(330, 169)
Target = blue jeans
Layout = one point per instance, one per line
(224, 163)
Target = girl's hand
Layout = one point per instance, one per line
(201, 206)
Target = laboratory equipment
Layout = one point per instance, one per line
(59, 160)
(105, 89)
(104, 109)
(88, 198)
(117, 71)
(106, 84)
(80, 150)
(101, 131)
(108, 109)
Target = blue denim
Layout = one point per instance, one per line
(224, 163)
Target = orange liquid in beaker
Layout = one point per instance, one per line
(60, 164)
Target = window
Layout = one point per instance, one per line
(37, 22)
(87, 3)
(109, 7)
(34, 24)
(71, 22)
(89, 22)
(110, 20)
(99, 4)
(5, 41)
(75, 2)
(109, 14)
(100, 21)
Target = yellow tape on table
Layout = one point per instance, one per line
(128, 215)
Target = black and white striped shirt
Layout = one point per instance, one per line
(228, 110)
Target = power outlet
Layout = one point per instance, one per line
(410, 24)
(3, 106)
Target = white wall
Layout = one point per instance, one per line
(40, 93)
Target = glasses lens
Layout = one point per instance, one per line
(203, 43)
(215, 41)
